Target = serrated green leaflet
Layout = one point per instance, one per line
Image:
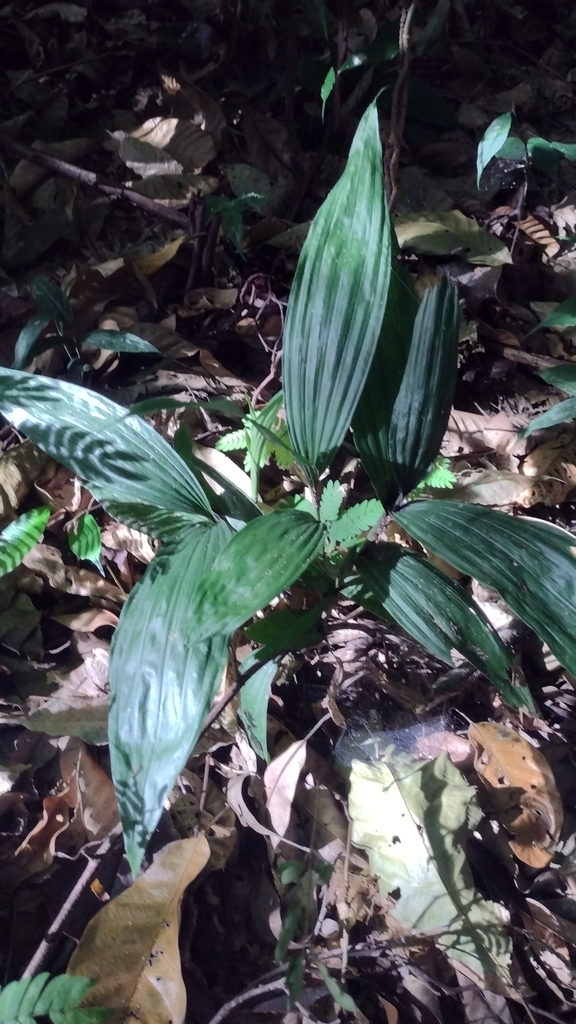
(330, 502)
(422, 407)
(260, 561)
(355, 520)
(119, 341)
(436, 611)
(371, 423)
(19, 537)
(85, 539)
(121, 458)
(24, 1001)
(162, 681)
(530, 563)
(337, 302)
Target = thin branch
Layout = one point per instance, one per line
(399, 106)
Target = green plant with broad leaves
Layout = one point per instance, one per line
(541, 154)
(361, 354)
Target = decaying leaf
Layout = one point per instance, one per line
(522, 790)
(413, 820)
(131, 946)
(280, 781)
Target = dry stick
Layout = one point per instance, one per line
(67, 170)
(45, 946)
(259, 990)
(399, 106)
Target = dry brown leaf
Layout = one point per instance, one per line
(38, 849)
(119, 537)
(522, 790)
(96, 794)
(88, 621)
(47, 562)
(280, 781)
(18, 470)
(149, 263)
(131, 946)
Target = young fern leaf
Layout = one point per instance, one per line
(355, 521)
(27, 1000)
(330, 502)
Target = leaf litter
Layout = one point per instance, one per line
(205, 187)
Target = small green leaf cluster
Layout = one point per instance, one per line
(59, 998)
(542, 154)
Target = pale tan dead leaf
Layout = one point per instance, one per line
(149, 263)
(465, 432)
(39, 846)
(131, 946)
(522, 790)
(490, 487)
(88, 621)
(79, 707)
(224, 465)
(46, 561)
(19, 469)
(235, 797)
(210, 298)
(96, 795)
(280, 781)
(62, 489)
(564, 214)
(118, 537)
(211, 365)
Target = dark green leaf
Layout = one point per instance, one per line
(557, 414)
(27, 337)
(85, 539)
(544, 156)
(162, 681)
(287, 630)
(258, 563)
(337, 302)
(227, 499)
(530, 563)
(435, 610)
(154, 521)
(51, 299)
(563, 377)
(253, 706)
(491, 142)
(372, 418)
(19, 537)
(119, 341)
(121, 457)
(563, 316)
(423, 403)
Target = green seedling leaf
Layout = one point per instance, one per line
(414, 820)
(287, 630)
(230, 501)
(330, 502)
(121, 458)
(27, 338)
(337, 303)
(557, 414)
(259, 562)
(19, 537)
(119, 341)
(25, 1001)
(162, 681)
(491, 142)
(440, 477)
(563, 316)
(436, 611)
(371, 422)
(295, 977)
(355, 521)
(327, 87)
(85, 540)
(340, 997)
(51, 299)
(563, 377)
(532, 564)
(422, 406)
(253, 707)
(544, 155)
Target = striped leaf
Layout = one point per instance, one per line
(20, 537)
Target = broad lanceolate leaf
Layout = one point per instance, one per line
(559, 413)
(131, 945)
(121, 457)
(435, 610)
(337, 302)
(562, 377)
(371, 421)
(119, 341)
(493, 139)
(260, 561)
(51, 299)
(22, 1002)
(19, 537)
(27, 339)
(85, 539)
(413, 819)
(162, 681)
(530, 563)
(563, 316)
(422, 406)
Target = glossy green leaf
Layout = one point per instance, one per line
(156, 522)
(225, 498)
(253, 706)
(563, 377)
(85, 539)
(19, 537)
(563, 316)
(287, 629)
(371, 422)
(260, 561)
(51, 299)
(29, 999)
(530, 563)
(120, 456)
(337, 302)
(544, 156)
(162, 681)
(119, 341)
(436, 611)
(422, 406)
(557, 414)
(491, 142)
(27, 338)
